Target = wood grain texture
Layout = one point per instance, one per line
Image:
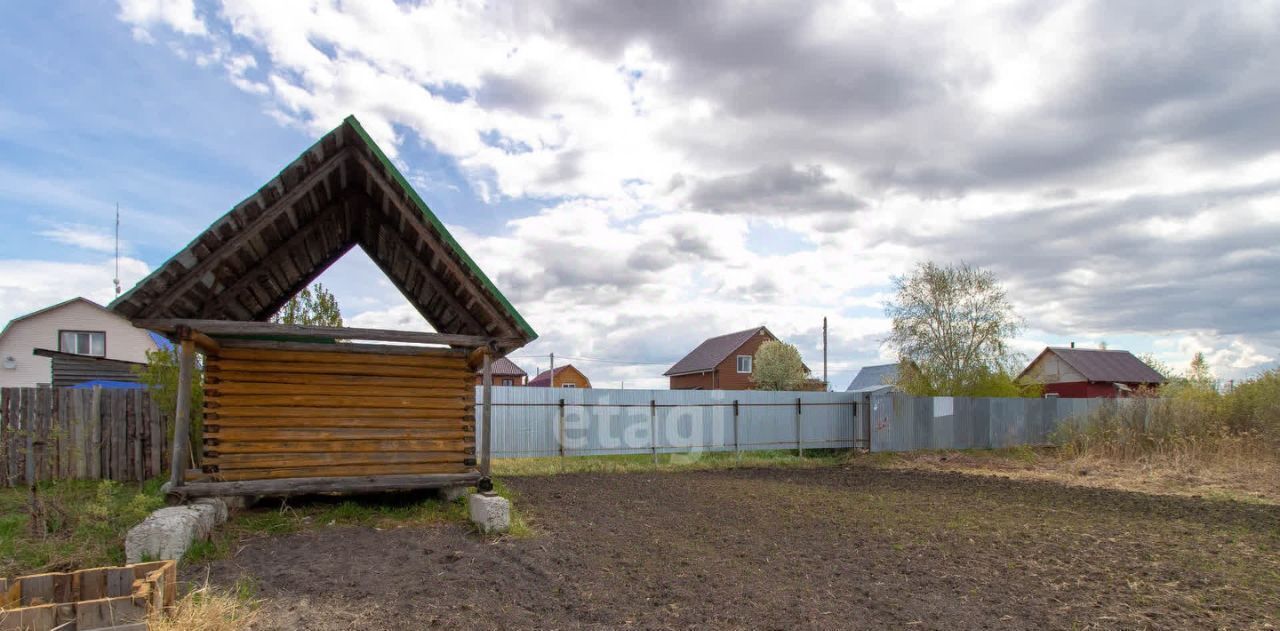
(342, 470)
(446, 359)
(448, 387)
(264, 434)
(229, 462)
(224, 447)
(322, 368)
(460, 421)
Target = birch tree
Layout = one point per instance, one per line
(952, 327)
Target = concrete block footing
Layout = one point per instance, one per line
(490, 512)
(170, 531)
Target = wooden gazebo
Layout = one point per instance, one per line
(293, 409)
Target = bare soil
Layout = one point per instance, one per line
(838, 547)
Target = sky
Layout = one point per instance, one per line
(637, 177)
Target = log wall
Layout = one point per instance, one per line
(272, 413)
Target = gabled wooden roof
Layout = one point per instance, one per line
(341, 193)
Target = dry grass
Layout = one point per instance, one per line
(209, 609)
(1237, 476)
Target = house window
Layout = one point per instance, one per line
(568, 385)
(508, 382)
(744, 363)
(92, 343)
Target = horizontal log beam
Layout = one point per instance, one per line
(461, 390)
(331, 484)
(368, 370)
(227, 462)
(218, 377)
(438, 422)
(343, 347)
(289, 412)
(341, 470)
(430, 401)
(336, 354)
(214, 440)
(232, 327)
(224, 447)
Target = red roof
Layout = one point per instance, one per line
(504, 367)
(1103, 365)
(712, 351)
(544, 378)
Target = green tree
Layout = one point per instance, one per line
(952, 327)
(311, 307)
(1200, 373)
(160, 376)
(777, 366)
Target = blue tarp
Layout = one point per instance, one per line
(109, 385)
(162, 343)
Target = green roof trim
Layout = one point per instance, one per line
(439, 226)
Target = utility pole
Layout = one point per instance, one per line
(116, 280)
(825, 384)
(553, 370)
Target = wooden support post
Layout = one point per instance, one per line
(653, 430)
(737, 444)
(562, 455)
(486, 416)
(182, 413)
(799, 437)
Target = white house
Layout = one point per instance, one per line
(78, 327)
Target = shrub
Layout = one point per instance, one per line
(1188, 419)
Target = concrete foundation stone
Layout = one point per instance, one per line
(490, 512)
(169, 532)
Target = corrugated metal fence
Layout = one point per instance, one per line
(69, 433)
(903, 423)
(535, 422)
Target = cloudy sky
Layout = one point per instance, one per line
(638, 176)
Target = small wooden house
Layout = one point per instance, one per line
(566, 376)
(291, 409)
(1077, 373)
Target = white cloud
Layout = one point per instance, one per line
(28, 285)
(1119, 188)
(83, 236)
(179, 15)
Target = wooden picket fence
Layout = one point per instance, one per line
(86, 434)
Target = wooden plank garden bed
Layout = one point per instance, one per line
(99, 598)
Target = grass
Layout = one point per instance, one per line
(1245, 478)
(86, 524)
(666, 462)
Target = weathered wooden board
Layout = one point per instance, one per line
(438, 419)
(295, 401)
(342, 470)
(312, 368)
(217, 379)
(425, 360)
(313, 389)
(224, 447)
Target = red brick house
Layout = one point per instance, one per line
(505, 373)
(1077, 373)
(720, 363)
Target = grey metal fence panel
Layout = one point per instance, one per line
(527, 421)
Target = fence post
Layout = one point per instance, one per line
(737, 445)
(799, 442)
(562, 460)
(182, 415)
(653, 430)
